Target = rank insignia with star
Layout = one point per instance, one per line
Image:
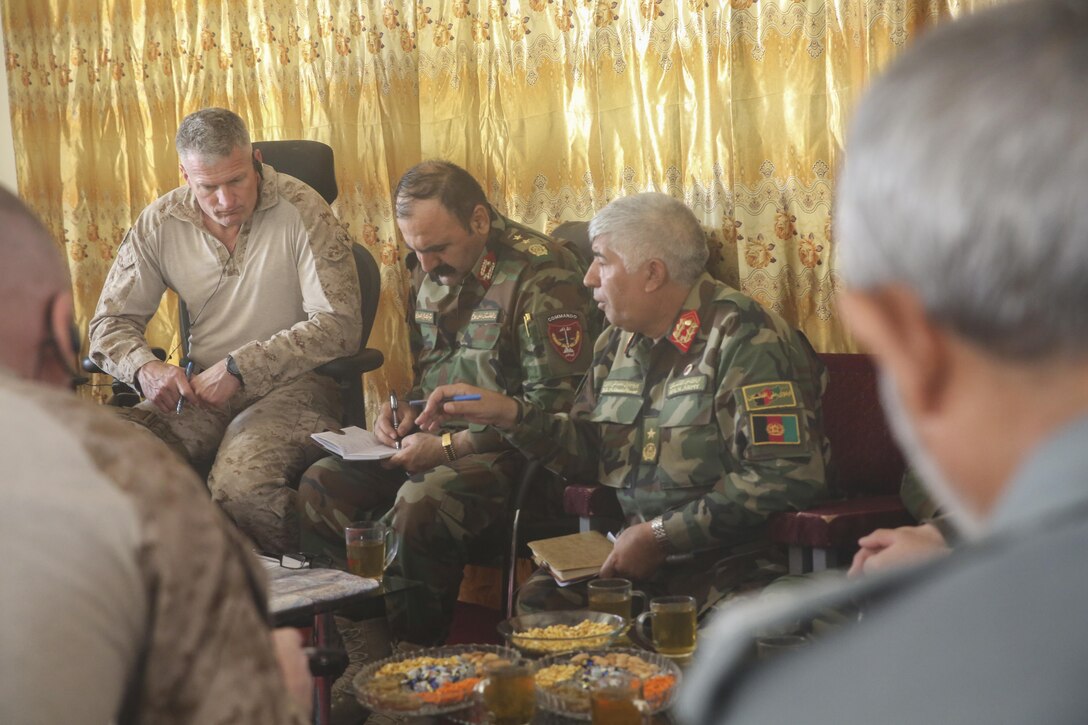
(649, 449)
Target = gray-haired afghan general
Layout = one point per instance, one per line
(495, 304)
(700, 407)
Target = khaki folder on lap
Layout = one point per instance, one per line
(574, 557)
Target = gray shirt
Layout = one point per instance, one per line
(994, 633)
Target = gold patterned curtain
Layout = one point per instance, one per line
(557, 106)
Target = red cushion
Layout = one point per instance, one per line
(838, 524)
(864, 457)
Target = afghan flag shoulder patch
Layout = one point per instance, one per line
(775, 429)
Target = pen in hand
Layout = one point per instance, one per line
(393, 406)
(188, 376)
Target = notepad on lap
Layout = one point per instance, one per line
(354, 444)
(574, 557)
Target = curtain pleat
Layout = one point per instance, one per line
(739, 107)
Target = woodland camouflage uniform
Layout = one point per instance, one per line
(521, 323)
(714, 427)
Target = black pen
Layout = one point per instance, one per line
(188, 376)
(393, 405)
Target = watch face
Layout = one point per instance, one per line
(232, 368)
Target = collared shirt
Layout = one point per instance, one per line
(285, 301)
(520, 323)
(715, 426)
(992, 633)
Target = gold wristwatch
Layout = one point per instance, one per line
(447, 446)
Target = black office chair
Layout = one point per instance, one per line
(312, 163)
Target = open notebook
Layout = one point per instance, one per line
(354, 444)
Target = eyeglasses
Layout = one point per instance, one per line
(299, 560)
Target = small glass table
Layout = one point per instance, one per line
(309, 598)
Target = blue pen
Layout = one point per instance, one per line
(454, 399)
(188, 376)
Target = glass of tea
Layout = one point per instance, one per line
(371, 548)
(506, 692)
(673, 625)
(616, 699)
(613, 596)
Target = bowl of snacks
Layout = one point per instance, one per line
(563, 682)
(548, 633)
(427, 682)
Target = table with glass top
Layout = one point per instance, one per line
(303, 596)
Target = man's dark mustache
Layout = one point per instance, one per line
(442, 270)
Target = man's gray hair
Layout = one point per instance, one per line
(965, 179)
(652, 225)
(211, 132)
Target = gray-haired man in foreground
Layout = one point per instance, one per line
(963, 236)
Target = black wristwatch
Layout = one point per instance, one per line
(232, 368)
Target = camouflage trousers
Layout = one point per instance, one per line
(712, 577)
(254, 450)
(443, 518)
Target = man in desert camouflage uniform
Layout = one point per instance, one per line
(138, 602)
(701, 408)
(496, 304)
(266, 272)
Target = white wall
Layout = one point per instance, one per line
(7, 143)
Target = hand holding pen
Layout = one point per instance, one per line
(188, 376)
(393, 405)
(459, 401)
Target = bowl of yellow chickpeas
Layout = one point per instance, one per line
(551, 633)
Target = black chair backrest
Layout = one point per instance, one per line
(311, 162)
(308, 161)
(370, 287)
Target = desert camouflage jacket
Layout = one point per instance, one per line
(715, 426)
(285, 302)
(521, 323)
(207, 658)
